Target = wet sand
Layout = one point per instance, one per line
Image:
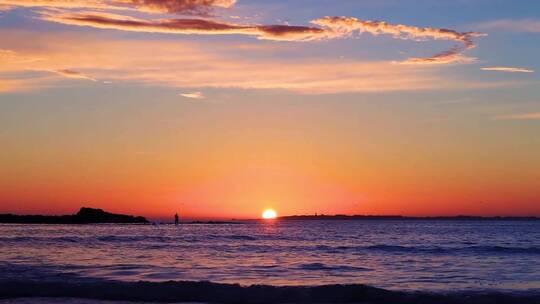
(22, 292)
(73, 301)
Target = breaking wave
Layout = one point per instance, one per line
(188, 291)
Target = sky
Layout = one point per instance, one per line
(223, 108)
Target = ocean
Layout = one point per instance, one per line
(444, 256)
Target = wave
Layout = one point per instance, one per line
(187, 291)
(249, 242)
(321, 266)
(124, 239)
(452, 250)
(232, 237)
(30, 239)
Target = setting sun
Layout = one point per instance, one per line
(269, 214)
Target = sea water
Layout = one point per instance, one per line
(431, 255)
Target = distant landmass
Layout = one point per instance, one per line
(399, 217)
(84, 216)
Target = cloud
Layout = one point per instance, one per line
(74, 74)
(100, 16)
(198, 7)
(204, 64)
(507, 69)
(346, 26)
(330, 28)
(6, 55)
(12, 61)
(4, 8)
(193, 95)
(11, 58)
(451, 56)
(64, 4)
(11, 85)
(525, 116)
(524, 25)
(185, 26)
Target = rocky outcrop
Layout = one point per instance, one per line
(84, 216)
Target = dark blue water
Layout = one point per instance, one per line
(399, 255)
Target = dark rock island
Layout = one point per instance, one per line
(84, 216)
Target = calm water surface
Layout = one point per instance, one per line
(403, 255)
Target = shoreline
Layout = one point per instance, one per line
(332, 218)
(88, 215)
(205, 292)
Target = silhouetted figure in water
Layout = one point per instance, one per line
(176, 219)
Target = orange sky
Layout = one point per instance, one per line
(241, 157)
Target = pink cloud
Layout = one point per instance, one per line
(200, 7)
(508, 69)
(74, 74)
(5, 7)
(346, 26)
(185, 26)
(186, 65)
(193, 95)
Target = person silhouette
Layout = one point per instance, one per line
(176, 219)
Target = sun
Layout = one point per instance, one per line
(269, 214)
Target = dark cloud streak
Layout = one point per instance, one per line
(186, 26)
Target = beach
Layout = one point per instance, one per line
(68, 301)
(203, 292)
(72, 301)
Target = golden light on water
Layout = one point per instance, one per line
(269, 214)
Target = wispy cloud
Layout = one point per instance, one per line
(11, 85)
(524, 116)
(193, 95)
(98, 14)
(523, 25)
(452, 56)
(74, 74)
(349, 25)
(507, 69)
(185, 65)
(185, 26)
(198, 7)
(328, 28)
(64, 4)
(11, 57)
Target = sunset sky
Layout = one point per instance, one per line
(223, 108)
